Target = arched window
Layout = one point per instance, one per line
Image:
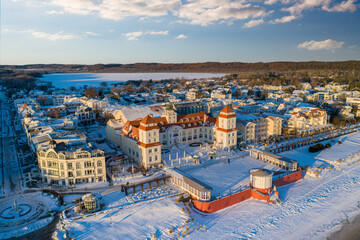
(51, 155)
(99, 163)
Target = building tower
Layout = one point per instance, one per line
(226, 131)
(170, 113)
(27, 118)
(149, 141)
(52, 143)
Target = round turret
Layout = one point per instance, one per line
(261, 179)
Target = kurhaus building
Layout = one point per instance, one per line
(143, 138)
(67, 165)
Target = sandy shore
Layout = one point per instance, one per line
(348, 231)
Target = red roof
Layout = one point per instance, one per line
(227, 109)
(148, 120)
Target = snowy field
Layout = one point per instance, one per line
(182, 154)
(312, 208)
(65, 80)
(33, 213)
(224, 176)
(350, 144)
(137, 221)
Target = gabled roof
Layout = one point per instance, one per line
(148, 120)
(227, 109)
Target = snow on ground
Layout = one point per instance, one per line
(350, 144)
(312, 208)
(34, 213)
(181, 155)
(153, 193)
(223, 176)
(139, 221)
(68, 199)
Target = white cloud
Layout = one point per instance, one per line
(321, 45)
(284, 19)
(270, 2)
(181, 36)
(131, 36)
(118, 9)
(92, 34)
(302, 5)
(205, 12)
(54, 12)
(253, 23)
(51, 36)
(199, 12)
(157, 33)
(342, 7)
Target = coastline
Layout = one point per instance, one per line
(348, 231)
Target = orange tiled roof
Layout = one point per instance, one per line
(147, 120)
(227, 109)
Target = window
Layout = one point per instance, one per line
(150, 150)
(99, 171)
(156, 158)
(51, 155)
(70, 174)
(99, 163)
(78, 173)
(88, 164)
(69, 166)
(155, 150)
(78, 166)
(43, 163)
(150, 159)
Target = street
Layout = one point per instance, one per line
(11, 182)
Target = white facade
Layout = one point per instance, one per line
(307, 118)
(143, 139)
(71, 167)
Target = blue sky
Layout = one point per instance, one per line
(128, 31)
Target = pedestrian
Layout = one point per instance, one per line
(228, 160)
